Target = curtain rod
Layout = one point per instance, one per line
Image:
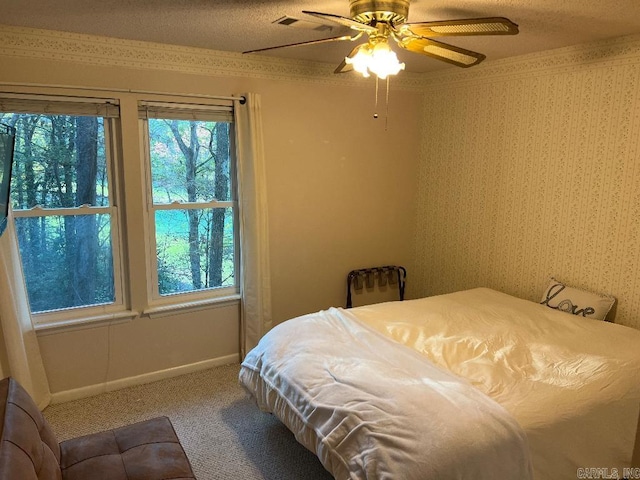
(242, 100)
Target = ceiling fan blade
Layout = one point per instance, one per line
(473, 26)
(310, 42)
(345, 67)
(447, 53)
(344, 21)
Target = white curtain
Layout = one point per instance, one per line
(23, 360)
(255, 280)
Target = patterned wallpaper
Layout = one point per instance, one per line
(95, 50)
(531, 168)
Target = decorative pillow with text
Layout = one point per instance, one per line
(576, 301)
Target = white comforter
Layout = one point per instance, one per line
(373, 409)
(572, 383)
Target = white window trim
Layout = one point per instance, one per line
(161, 305)
(63, 318)
(159, 311)
(178, 205)
(85, 321)
(83, 317)
(39, 211)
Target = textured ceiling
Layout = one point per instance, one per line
(239, 25)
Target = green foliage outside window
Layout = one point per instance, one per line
(190, 163)
(60, 164)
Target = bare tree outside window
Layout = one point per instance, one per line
(191, 190)
(64, 202)
(60, 173)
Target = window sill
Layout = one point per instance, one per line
(191, 306)
(53, 327)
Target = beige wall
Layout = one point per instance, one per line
(341, 189)
(341, 192)
(530, 168)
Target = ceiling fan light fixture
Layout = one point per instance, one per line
(381, 20)
(361, 60)
(379, 60)
(384, 61)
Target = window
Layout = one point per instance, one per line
(192, 198)
(63, 200)
(68, 207)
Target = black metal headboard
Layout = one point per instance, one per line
(391, 274)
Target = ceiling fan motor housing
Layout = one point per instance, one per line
(388, 11)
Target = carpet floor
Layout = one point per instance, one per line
(223, 432)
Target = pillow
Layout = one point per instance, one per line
(576, 301)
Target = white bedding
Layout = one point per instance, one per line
(372, 408)
(572, 383)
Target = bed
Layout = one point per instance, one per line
(470, 385)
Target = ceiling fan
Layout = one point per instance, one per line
(382, 20)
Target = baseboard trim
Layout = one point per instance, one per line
(91, 390)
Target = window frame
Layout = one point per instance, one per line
(161, 303)
(78, 106)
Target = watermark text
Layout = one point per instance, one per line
(608, 473)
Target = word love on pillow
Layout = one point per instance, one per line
(576, 301)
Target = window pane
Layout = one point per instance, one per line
(67, 260)
(60, 161)
(195, 249)
(189, 160)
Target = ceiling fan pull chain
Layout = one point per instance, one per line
(386, 115)
(375, 111)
